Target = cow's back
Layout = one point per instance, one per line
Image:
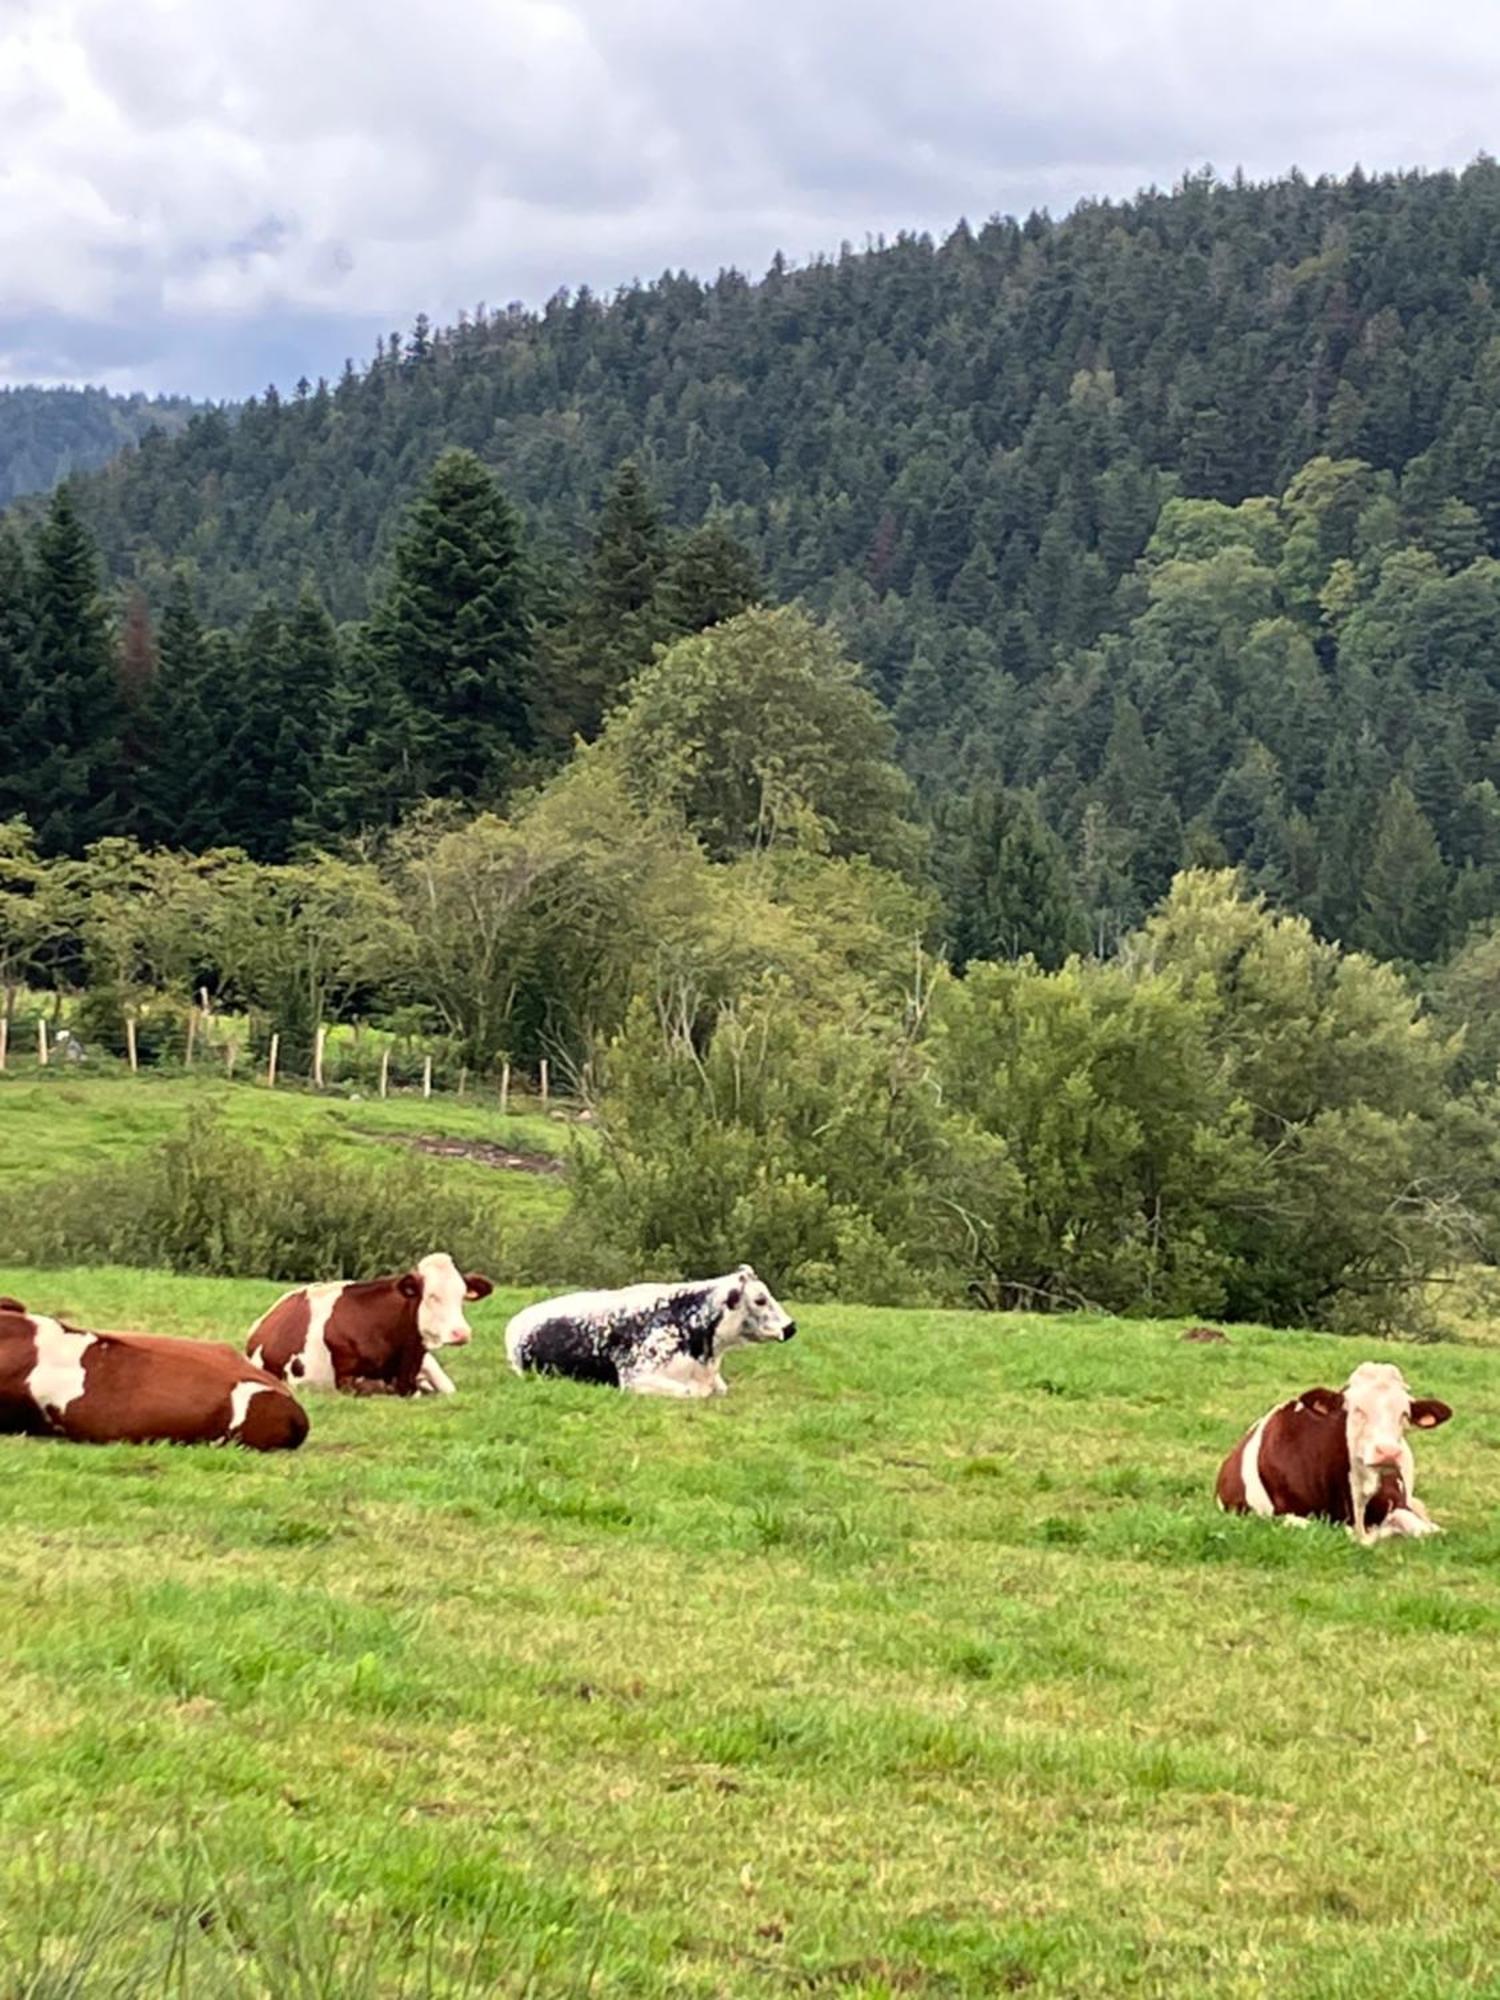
(1294, 1461)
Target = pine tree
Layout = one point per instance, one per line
(22, 714)
(1405, 883)
(709, 577)
(452, 638)
(1012, 892)
(74, 715)
(185, 789)
(622, 616)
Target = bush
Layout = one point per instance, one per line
(204, 1202)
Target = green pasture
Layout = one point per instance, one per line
(62, 1123)
(920, 1664)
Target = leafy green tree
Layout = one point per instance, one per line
(760, 733)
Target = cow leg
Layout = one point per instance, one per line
(433, 1379)
(656, 1383)
(721, 1387)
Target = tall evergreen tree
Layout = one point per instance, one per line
(185, 788)
(620, 618)
(22, 714)
(1405, 884)
(709, 577)
(1012, 892)
(452, 637)
(74, 715)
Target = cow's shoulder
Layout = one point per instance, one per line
(1303, 1460)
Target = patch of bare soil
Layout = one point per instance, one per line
(484, 1153)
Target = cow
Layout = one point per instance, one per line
(657, 1340)
(375, 1336)
(137, 1388)
(1337, 1455)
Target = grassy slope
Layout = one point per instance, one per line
(922, 1663)
(62, 1124)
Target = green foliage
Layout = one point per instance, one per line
(760, 734)
(813, 1148)
(204, 1201)
(48, 434)
(1009, 888)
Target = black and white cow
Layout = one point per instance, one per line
(658, 1340)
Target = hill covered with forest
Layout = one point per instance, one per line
(46, 434)
(1167, 532)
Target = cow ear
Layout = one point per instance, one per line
(1322, 1402)
(409, 1285)
(733, 1296)
(11, 1306)
(476, 1285)
(1429, 1413)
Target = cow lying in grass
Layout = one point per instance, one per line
(137, 1388)
(1337, 1455)
(657, 1340)
(379, 1335)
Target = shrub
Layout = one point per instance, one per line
(204, 1202)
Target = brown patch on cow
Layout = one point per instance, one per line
(143, 1388)
(1204, 1334)
(11, 1306)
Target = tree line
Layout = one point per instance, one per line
(718, 920)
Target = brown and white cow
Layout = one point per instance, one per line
(1337, 1455)
(137, 1388)
(379, 1334)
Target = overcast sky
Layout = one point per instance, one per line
(205, 195)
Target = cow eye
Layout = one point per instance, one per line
(760, 1298)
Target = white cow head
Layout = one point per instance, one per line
(1378, 1408)
(750, 1313)
(441, 1291)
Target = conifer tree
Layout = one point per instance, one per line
(452, 638)
(621, 617)
(709, 577)
(184, 788)
(74, 716)
(1405, 885)
(22, 716)
(1012, 892)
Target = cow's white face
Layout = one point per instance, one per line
(442, 1291)
(1378, 1407)
(750, 1313)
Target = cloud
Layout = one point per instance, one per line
(202, 195)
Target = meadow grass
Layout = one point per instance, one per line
(60, 1123)
(922, 1663)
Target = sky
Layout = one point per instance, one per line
(202, 196)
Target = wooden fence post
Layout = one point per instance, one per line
(505, 1090)
(271, 1061)
(203, 1000)
(318, 1056)
(4, 1038)
(41, 1040)
(427, 1076)
(192, 1036)
(229, 1055)
(545, 1082)
(130, 1051)
(385, 1070)
(463, 1079)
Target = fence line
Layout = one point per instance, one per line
(202, 1039)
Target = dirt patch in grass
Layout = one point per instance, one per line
(483, 1152)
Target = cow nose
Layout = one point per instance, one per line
(1388, 1454)
(462, 1336)
(789, 1329)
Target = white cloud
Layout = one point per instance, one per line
(197, 193)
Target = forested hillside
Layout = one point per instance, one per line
(1168, 533)
(47, 433)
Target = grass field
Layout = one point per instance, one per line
(922, 1663)
(64, 1124)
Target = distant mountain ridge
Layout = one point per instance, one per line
(46, 434)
